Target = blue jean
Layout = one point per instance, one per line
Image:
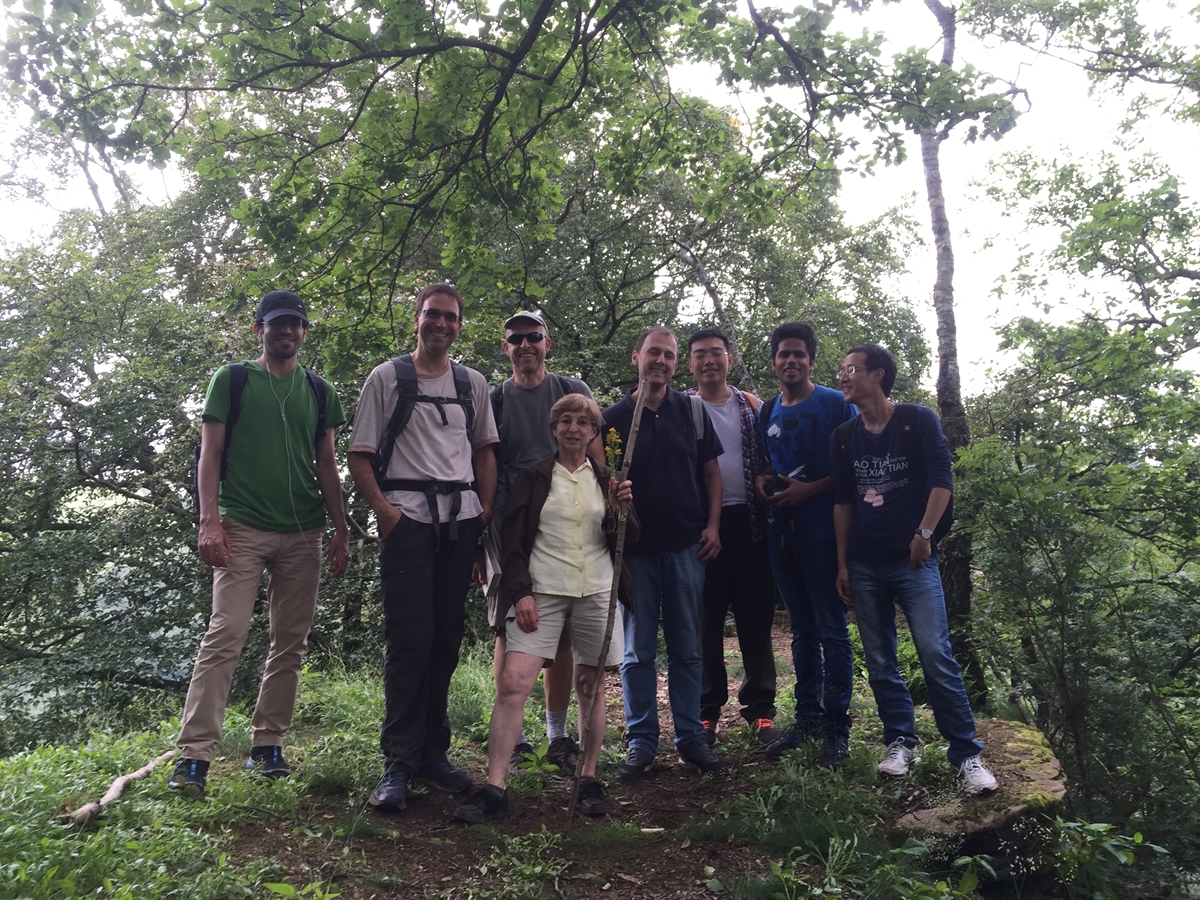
(806, 575)
(671, 584)
(878, 588)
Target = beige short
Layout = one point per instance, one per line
(582, 619)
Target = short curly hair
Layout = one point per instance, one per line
(575, 403)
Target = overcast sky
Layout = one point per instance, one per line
(1064, 119)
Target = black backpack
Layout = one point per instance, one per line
(238, 376)
(407, 396)
(496, 396)
(906, 420)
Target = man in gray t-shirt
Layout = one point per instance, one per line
(431, 485)
(521, 407)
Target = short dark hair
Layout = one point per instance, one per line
(439, 288)
(798, 330)
(654, 329)
(878, 358)
(705, 334)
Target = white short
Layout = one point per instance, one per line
(582, 619)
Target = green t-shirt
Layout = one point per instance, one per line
(271, 478)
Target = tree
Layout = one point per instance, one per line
(1086, 528)
(917, 95)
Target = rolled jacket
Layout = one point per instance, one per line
(521, 520)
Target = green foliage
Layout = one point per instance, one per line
(520, 867)
(1088, 854)
(1086, 528)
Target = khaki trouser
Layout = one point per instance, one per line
(293, 562)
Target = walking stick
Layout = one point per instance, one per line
(585, 713)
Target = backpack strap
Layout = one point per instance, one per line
(697, 415)
(238, 376)
(318, 388)
(753, 401)
(407, 396)
(764, 414)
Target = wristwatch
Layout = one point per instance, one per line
(925, 533)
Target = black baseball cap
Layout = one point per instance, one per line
(280, 303)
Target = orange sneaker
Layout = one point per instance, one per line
(765, 731)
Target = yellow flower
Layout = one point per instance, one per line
(612, 450)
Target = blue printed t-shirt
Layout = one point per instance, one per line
(888, 502)
(667, 471)
(796, 439)
(271, 482)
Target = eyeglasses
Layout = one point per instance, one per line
(850, 370)
(534, 337)
(451, 318)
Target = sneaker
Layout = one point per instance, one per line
(488, 804)
(898, 759)
(834, 750)
(517, 759)
(443, 775)
(700, 755)
(975, 775)
(637, 762)
(564, 753)
(592, 801)
(189, 776)
(764, 729)
(269, 762)
(710, 731)
(798, 733)
(391, 794)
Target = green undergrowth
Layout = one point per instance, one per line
(825, 832)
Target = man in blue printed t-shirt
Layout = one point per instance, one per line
(892, 482)
(796, 426)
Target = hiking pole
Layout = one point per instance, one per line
(618, 562)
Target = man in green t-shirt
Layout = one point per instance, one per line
(263, 498)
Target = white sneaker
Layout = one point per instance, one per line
(975, 776)
(898, 759)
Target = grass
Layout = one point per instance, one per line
(825, 830)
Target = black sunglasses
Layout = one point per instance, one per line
(534, 337)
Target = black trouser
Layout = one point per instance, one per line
(740, 577)
(424, 596)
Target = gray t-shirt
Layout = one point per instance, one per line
(525, 427)
(426, 450)
(727, 423)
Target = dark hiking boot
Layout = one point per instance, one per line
(190, 776)
(592, 801)
(699, 754)
(443, 775)
(488, 804)
(520, 752)
(637, 762)
(710, 731)
(564, 753)
(268, 761)
(765, 731)
(799, 732)
(391, 794)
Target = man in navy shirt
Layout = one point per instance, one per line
(892, 482)
(677, 496)
(796, 427)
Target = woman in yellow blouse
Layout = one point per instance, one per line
(557, 549)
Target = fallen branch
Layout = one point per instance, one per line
(115, 790)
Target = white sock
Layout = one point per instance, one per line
(556, 725)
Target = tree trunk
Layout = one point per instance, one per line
(954, 552)
(745, 379)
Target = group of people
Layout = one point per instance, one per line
(824, 497)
